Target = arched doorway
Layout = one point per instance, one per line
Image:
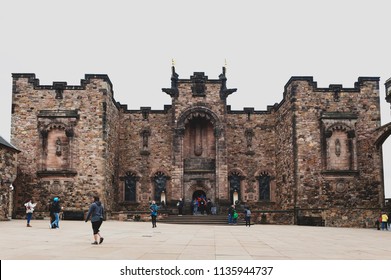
(198, 142)
(198, 205)
(199, 193)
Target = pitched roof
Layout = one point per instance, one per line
(3, 142)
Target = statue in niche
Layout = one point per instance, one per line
(249, 133)
(198, 140)
(58, 147)
(145, 134)
(160, 181)
(234, 185)
(337, 147)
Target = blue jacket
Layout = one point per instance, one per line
(153, 209)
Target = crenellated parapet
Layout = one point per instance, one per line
(291, 87)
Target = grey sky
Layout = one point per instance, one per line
(264, 43)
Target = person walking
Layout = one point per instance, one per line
(96, 212)
(247, 216)
(209, 205)
(153, 208)
(384, 219)
(195, 206)
(180, 207)
(55, 209)
(29, 210)
(231, 211)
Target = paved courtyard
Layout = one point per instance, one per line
(138, 241)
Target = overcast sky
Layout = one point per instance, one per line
(263, 42)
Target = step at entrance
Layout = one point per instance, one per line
(199, 219)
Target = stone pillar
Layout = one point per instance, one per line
(177, 173)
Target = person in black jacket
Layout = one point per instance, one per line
(96, 213)
(55, 209)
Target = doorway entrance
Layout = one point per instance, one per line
(198, 204)
(199, 194)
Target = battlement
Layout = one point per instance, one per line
(58, 85)
(290, 85)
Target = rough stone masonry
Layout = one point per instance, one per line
(309, 159)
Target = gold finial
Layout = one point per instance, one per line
(173, 62)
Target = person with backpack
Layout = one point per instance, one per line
(247, 216)
(235, 217)
(96, 212)
(55, 209)
(231, 210)
(153, 208)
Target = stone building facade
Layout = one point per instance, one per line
(8, 170)
(307, 159)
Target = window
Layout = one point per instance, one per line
(234, 186)
(264, 187)
(130, 186)
(160, 181)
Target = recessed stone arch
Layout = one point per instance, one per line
(197, 111)
(381, 134)
(131, 186)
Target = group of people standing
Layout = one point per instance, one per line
(202, 205)
(233, 215)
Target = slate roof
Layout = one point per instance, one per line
(3, 142)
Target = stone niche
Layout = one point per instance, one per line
(56, 133)
(339, 142)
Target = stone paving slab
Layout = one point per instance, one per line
(138, 241)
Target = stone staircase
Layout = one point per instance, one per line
(199, 219)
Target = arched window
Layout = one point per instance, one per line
(130, 186)
(234, 186)
(160, 182)
(264, 187)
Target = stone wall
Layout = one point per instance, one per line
(332, 178)
(79, 114)
(145, 157)
(251, 144)
(8, 169)
(316, 146)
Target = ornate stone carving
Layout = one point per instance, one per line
(199, 80)
(145, 133)
(58, 147)
(249, 134)
(337, 147)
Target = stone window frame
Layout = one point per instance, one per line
(157, 191)
(264, 174)
(235, 174)
(130, 175)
